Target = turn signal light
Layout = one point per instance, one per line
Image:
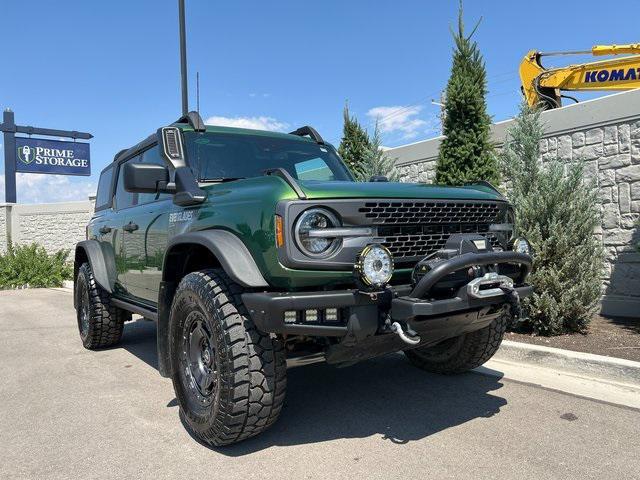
(279, 232)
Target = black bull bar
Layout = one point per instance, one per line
(467, 260)
(267, 309)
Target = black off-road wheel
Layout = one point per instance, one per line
(462, 353)
(229, 378)
(100, 324)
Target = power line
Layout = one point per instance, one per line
(401, 110)
(380, 120)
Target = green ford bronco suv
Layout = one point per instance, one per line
(250, 247)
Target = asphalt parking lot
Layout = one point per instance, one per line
(69, 413)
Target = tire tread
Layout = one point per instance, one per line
(106, 322)
(253, 375)
(476, 349)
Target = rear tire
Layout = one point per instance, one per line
(462, 353)
(228, 377)
(100, 324)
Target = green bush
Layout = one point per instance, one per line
(31, 266)
(557, 211)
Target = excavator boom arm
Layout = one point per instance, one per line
(544, 86)
(633, 48)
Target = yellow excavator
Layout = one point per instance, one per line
(543, 87)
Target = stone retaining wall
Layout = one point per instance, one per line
(56, 226)
(3, 228)
(605, 134)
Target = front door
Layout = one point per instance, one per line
(145, 237)
(145, 244)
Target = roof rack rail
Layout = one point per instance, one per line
(194, 120)
(115, 158)
(307, 130)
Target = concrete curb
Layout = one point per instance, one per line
(595, 366)
(68, 284)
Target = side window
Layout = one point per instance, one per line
(125, 199)
(314, 169)
(152, 155)
(103, 196)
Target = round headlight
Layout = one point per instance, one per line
(521, 245)
(308, 232)
(375, 265)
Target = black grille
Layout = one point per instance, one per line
(413, 230)
(411, 243)
(430, 212)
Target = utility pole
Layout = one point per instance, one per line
(198, 92)
(443, 108)
(183, 58)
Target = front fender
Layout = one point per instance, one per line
(101, 258)
(234, 258)
(233, 255)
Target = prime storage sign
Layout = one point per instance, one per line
(35, 155)
(31, 155)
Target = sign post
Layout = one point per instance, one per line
(9, 128)
(35, 155)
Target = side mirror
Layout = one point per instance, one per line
(145, 177)
(378, 178)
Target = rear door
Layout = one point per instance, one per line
(102, 227)
(99, 225)
(106, 226)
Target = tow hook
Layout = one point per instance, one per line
(410, 337)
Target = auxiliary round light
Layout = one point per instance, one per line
(375, 265)
(522, 245)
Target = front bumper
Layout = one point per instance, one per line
(361, 313)
(267, 309)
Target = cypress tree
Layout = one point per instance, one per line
(354, 144)
(557, 211)
(466, 153)
(376, 162)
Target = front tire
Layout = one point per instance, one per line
(100, 324)
(228, 377)
(462, 353)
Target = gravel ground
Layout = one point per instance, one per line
(613, 337)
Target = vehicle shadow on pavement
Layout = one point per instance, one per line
(386, 397)
(139, 339)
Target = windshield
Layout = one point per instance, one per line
(220, 156)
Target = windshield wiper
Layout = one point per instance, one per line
(223, 179)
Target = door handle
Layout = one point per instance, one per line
(104, 230)
(130, 227)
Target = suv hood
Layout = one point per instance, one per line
(322, 190)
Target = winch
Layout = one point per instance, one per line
(457, 244)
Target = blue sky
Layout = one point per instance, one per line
(112, 68)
